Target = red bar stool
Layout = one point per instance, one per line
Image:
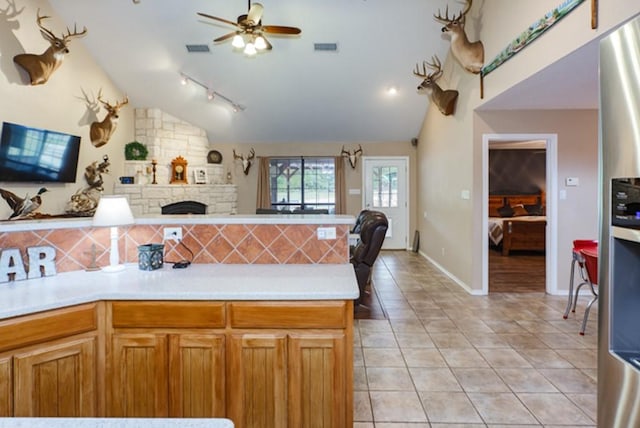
(590, 256)
(578, 245)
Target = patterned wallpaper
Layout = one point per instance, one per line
(228, 244)
(515, 171)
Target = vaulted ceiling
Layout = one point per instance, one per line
(290, 94)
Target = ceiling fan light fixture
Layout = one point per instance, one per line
(260, 43)
(250, 49)
(237, 42)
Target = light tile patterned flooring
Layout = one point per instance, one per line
(446, 359)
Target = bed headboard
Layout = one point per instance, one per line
(497, 201)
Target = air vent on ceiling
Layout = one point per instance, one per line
(325, 47)
(197, 48)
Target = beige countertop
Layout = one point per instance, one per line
(197, 282)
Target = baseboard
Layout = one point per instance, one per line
(452, 277)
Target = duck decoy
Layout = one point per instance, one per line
(22, 207)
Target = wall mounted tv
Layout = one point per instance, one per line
(37, 155)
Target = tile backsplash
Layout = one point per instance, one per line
(221, 243)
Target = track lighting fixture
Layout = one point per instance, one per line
(211, 94)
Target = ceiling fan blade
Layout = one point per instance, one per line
(269, 47)
(225, 37)
(255, 14)
(279, 29)
(226, 21)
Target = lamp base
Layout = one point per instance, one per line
(113, 268)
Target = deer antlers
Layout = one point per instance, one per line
(246, 162)
(352, 156)
(434, 65)
(469, 54)
(40, 67)
(455, 18)
(65, 37)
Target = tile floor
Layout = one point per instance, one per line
(446, 359)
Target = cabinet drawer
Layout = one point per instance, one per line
(168, 314)
(294, 314)
(48, 325)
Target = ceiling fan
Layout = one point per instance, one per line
(250, 26)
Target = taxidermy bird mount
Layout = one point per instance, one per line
(22, 207)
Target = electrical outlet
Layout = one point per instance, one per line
(173, 234)
(326, 233)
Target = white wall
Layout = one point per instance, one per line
(55, 105)
(449, 154)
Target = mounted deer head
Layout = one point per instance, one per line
(469, 54)
(101, 132)
(444, 100)
(246, 162)
(352, 156)
(40, 67)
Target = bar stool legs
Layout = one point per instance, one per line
(586, 311)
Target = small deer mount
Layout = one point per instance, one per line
(101, 132)
(445, 100)
(246, 161)
(352, 156)
(40, 67)
(469, 54)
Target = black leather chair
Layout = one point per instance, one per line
(373, 228)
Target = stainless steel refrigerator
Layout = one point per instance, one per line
(619, 246)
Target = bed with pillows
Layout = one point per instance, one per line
(517, 222)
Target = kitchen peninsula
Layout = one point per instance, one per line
(234, 337)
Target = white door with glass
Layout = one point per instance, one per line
(386, 190)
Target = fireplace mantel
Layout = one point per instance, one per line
(150, 198)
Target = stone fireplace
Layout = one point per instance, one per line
(166, 138)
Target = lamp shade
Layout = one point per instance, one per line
(113, 210)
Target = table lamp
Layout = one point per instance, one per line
(113, 211)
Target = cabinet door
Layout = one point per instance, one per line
(6, 387)
(256, 380)
(56, 380)
(317, 380)
(138, 372)
(197, 378)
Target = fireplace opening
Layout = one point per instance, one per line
(185, 207)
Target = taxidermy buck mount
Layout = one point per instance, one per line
(352, 156)
(40, 67)
(101, 132)
(246, 161)
(469, 54)
(445, 100)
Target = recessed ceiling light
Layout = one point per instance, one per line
(392, 90)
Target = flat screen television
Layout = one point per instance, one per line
(37, 155)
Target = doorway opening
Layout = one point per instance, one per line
(386, 189)
(519, 213)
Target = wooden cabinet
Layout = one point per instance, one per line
(50, 363)
(165, 359)
(258, 388)
(6, 387)
(56, 380)
(288, 379)
(197, 375)
(294, 367)
(317, 380)
(261, 364)
(137, 374)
